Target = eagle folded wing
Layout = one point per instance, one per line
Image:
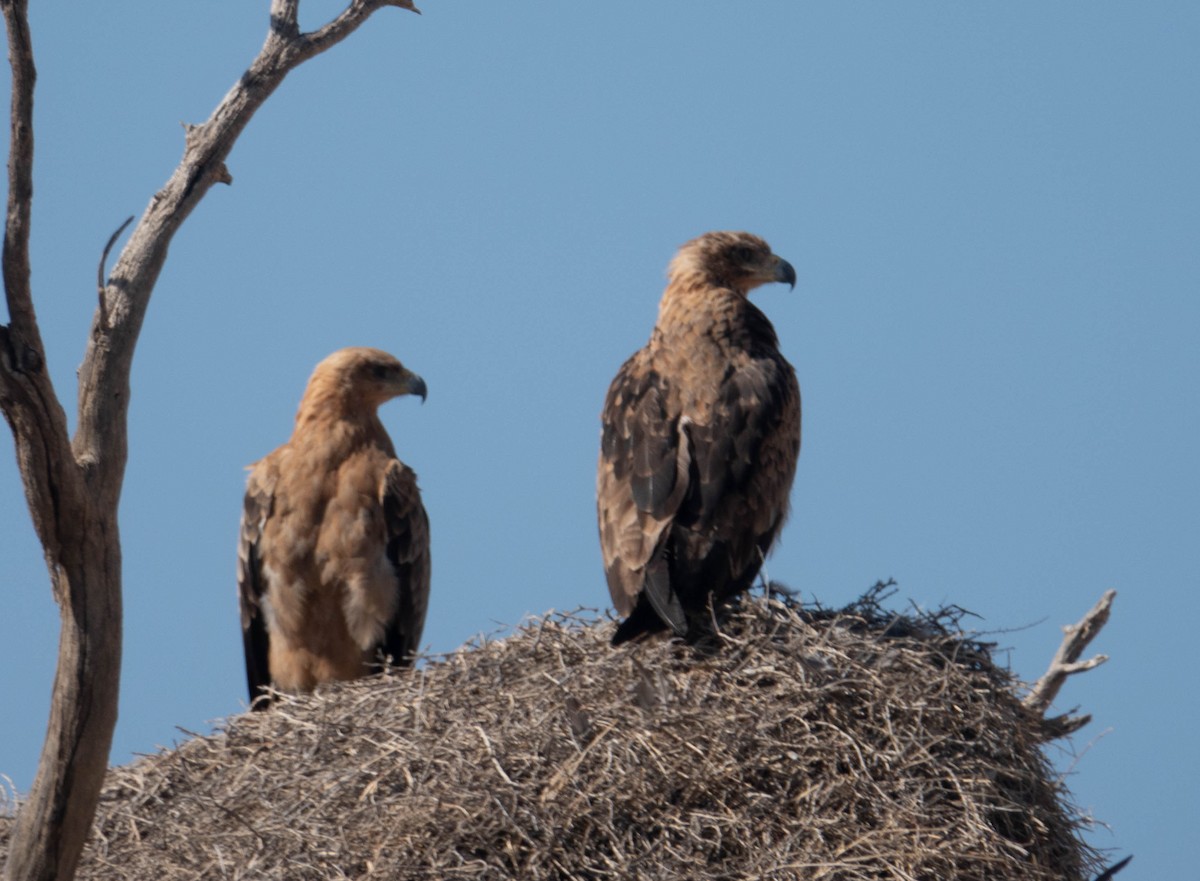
(407, 527)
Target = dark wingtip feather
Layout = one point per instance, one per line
(641, 621)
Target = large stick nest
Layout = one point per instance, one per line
(813, 745)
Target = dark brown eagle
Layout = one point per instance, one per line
(333, 559)
(699, 441)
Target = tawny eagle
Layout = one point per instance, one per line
(333, 557)
(699, 441)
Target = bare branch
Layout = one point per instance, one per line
(345, 24)
(20, 170)
(26, 394)
(1066, 661)
(1112, 870)
(104, 375)
(285, 16)
(1054, 727)
(112, 240)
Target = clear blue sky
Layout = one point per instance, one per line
(993, 210)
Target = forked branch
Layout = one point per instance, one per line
(1066, 661)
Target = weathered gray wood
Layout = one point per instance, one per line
(73, 485)
(1066, 660)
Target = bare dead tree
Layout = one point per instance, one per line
(73, 484)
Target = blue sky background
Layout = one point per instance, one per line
(993, 210)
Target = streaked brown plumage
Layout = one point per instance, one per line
(333, 558)
(699, 441)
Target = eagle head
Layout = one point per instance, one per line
(740, 261)
(369, 376)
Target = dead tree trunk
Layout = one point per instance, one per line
(73, 485)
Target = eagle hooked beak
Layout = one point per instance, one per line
(414, 385)
(784, 271)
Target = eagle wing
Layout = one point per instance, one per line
(744, 459)
(643, 475)
(407, 527)
(251, 581)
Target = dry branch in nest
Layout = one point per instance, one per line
(815, 745)
(1076, 638)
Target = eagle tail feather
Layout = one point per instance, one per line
(642, 620)
(662, 597)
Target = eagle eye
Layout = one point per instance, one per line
(380, 371)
